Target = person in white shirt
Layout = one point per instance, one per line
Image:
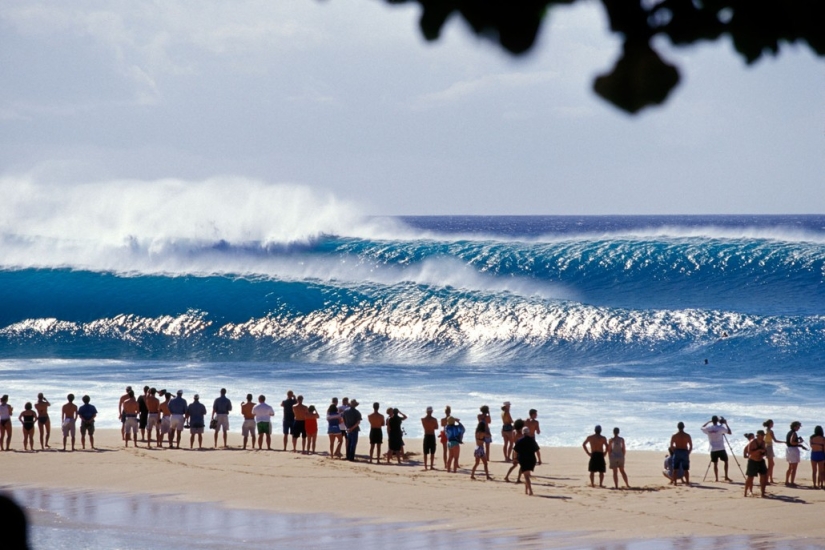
(263, 419)
(716, 436)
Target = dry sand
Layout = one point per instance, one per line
(563, 501)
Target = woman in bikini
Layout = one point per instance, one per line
(44, 425)
(485, 417)
(454, 431)
(479, 454)
(28, 418)
(508, 434)
(334, 430)
(817, 443)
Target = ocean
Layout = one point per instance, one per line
(631, 321)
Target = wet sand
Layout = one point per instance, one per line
(565, 511)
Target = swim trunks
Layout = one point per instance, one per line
(299, 429)
(152, 421)
(451, 444)
(756, 468)
(195, 430)
(248, 427)
(287, 426)
(264, 428)
(817, 456)
(616, 461)
(596, 462)
(131, 425)
(165, 424)
(507, 428)
(222, 422)
(681, 460)
(715, 456)
(87, 426)
(479, 452)
(176, 422)
(376, 436)
(429, 444)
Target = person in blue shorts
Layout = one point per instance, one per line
(681, 444)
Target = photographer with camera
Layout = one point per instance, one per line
(716, 437)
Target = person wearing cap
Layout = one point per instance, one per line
(430, 425)
(352, 419)
(598, 446)
(177, 410)
(755, 452)
(220, 414)
(131, 409)
(507, 432)
(682, 445)
(196, 414)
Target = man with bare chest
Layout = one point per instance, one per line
(300, 413)
(430, 425)
(682, 445)
(598, 446)
(152, 417)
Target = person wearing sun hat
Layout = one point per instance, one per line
(352, 419)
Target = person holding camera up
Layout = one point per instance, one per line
(716, 437)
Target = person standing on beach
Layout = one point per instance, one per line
(794, 443)
(248, 427)
(716, 437)
(518, 426)
(616, 456)
(120, 415)
(334, 429)
(6, 411)
(481, 434)
(221, 408)
(311, 426)
(396, 435)
(87, 414)
(28, 418)
(289, 415)
(44, 424)
(526, 449)
(165, 419)
(817, 443)
(443, 435)
(682, 445)
(533, 423)
(598, 445)
(131, 409)
(507, 432)
(263, 419)
(770, 454)
(177, 408)
(152, 417)
(352, 419)
(68, 420)
(196, 414)
(755, 453)
(455, 433)
(377, 423)
(430, 425)
(484, 416)
(143, 417)
(300, 413)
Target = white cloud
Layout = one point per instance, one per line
(500, 82)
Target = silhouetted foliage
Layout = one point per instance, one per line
(640, 76)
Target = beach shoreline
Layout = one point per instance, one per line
(314, 484)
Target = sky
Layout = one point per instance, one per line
(345, 99)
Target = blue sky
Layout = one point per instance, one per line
(346, 99)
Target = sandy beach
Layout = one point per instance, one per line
(563, 502)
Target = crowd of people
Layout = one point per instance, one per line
(161, 416)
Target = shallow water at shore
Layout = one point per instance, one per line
(114, 521)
